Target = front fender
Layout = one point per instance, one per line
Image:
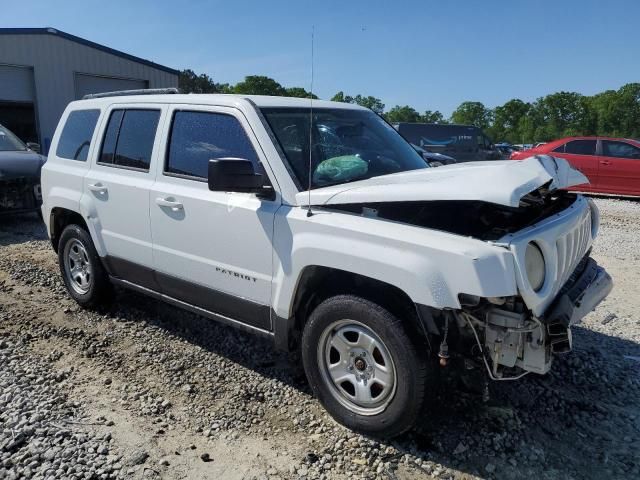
(431, 267)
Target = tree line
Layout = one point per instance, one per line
(613, 113)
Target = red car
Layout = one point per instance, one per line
(612, 165)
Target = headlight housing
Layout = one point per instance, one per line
(534, 266)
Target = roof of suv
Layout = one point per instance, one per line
(222, 100)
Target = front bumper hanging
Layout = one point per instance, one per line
(584, 291)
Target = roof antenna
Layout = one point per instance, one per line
(309, 213)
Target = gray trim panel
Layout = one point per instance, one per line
(192, 308)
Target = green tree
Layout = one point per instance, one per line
(369, 102)
(617, 113)
(612, 112)
(259, 85)
(403, 113)
(432, 117)
(472, 113)
(341, 97)
(561, 114)
(506, 121)
(191, 82)
(629, 107)
(299, 92)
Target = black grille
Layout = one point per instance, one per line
(18, 195)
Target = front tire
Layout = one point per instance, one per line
(363, 367)
(81, 268)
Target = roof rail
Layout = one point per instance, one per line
(124, 93)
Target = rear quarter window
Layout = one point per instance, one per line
(76, 135)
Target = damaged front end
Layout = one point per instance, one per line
(471, 218)
(512, 336)
(521, 207)
(504, 335)
(19, 195)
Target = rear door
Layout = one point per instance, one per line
(619, 168)
(118, 185)
(581, 154)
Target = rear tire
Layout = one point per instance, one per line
(82, 272)
(363, 366)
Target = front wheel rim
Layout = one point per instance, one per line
(357, 367)
(77, 266)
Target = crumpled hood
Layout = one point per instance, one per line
(501, 182)
(25, 164)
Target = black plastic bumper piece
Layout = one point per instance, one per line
(587, 287)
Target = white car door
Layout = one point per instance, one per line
(117, 186)
(211, 249)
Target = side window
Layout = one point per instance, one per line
(75, 138)
(560, 149)
(619, 149)
(111, 137)
(197, 137)
(581, 147)
(128, 140)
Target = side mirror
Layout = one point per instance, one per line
(33, 146)
(234, 175)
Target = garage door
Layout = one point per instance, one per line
(17, 100)
(16, 84)
(86, 84)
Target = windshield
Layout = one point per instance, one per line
(347, 145)
(9, 142)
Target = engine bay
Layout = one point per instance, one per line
(482, 220)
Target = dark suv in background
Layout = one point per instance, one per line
(465, 143)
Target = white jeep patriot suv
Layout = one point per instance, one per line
(320, 227)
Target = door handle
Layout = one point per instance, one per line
(97, 187)
(605, 162)
(170, 203)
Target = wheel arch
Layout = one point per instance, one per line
(317, 283)
(59, 219)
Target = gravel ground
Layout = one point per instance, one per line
(143, 390)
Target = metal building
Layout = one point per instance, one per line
(43, 69)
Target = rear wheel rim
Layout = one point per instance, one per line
(357, 367)
(77, 266)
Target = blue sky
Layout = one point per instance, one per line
(428, 54)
